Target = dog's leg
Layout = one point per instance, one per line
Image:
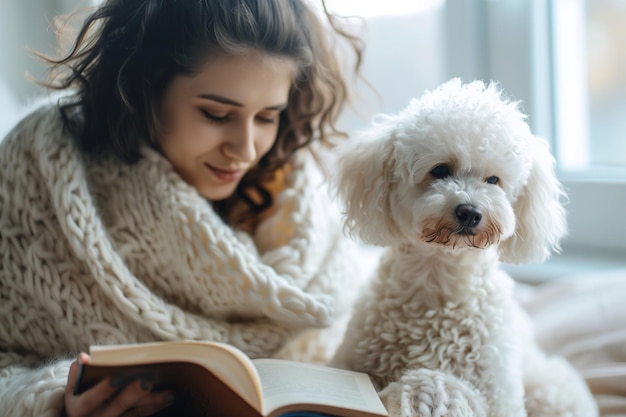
(504, 393)
(554, 388)
(432, 393)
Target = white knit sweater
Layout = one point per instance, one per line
(97, 252)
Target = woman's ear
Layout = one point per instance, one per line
(539, 212)
(364, 183)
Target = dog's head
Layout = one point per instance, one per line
(458, 168)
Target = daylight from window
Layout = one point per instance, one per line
(370, 8)
(590, 61)
(606, 58)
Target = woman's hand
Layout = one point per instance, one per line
(113, 397)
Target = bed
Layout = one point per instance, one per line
(584, 319)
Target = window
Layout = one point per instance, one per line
(592, 157)
(589, 53)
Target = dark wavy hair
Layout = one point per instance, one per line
(127, 52)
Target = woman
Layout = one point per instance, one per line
(170, 194)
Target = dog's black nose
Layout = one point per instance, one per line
(468, 215)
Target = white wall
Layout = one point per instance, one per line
(24, 27)
(404, 55)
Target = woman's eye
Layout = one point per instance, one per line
(266, 119)
(441, 171)
(215, 117)
(492, 180)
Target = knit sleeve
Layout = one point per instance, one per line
(29, 391)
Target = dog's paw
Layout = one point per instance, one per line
(432, 393)
(555, 389)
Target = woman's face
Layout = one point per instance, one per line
(220, 121)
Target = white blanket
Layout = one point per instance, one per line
(584, 319)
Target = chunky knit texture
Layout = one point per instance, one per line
(100, 252)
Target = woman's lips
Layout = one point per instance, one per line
(225, 175)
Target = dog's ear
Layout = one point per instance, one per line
(365, 183)
(540, 215)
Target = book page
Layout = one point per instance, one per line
(316, 387)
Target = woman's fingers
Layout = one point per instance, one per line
(138, 391)
(127, 398)
(71, 378)
(159, 399)
(91, 399)
(122, 395)
(137, 399)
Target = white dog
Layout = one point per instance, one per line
(452, 185)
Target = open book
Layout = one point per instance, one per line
(220, 380)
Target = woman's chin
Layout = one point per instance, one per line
(217, 192)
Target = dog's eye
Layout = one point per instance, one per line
(492, 180)
(441, 171)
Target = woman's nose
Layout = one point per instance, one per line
(240, 145)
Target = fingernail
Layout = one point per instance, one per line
(83, 358)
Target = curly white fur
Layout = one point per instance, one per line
(452, 185)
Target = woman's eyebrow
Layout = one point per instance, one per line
(225, 100)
